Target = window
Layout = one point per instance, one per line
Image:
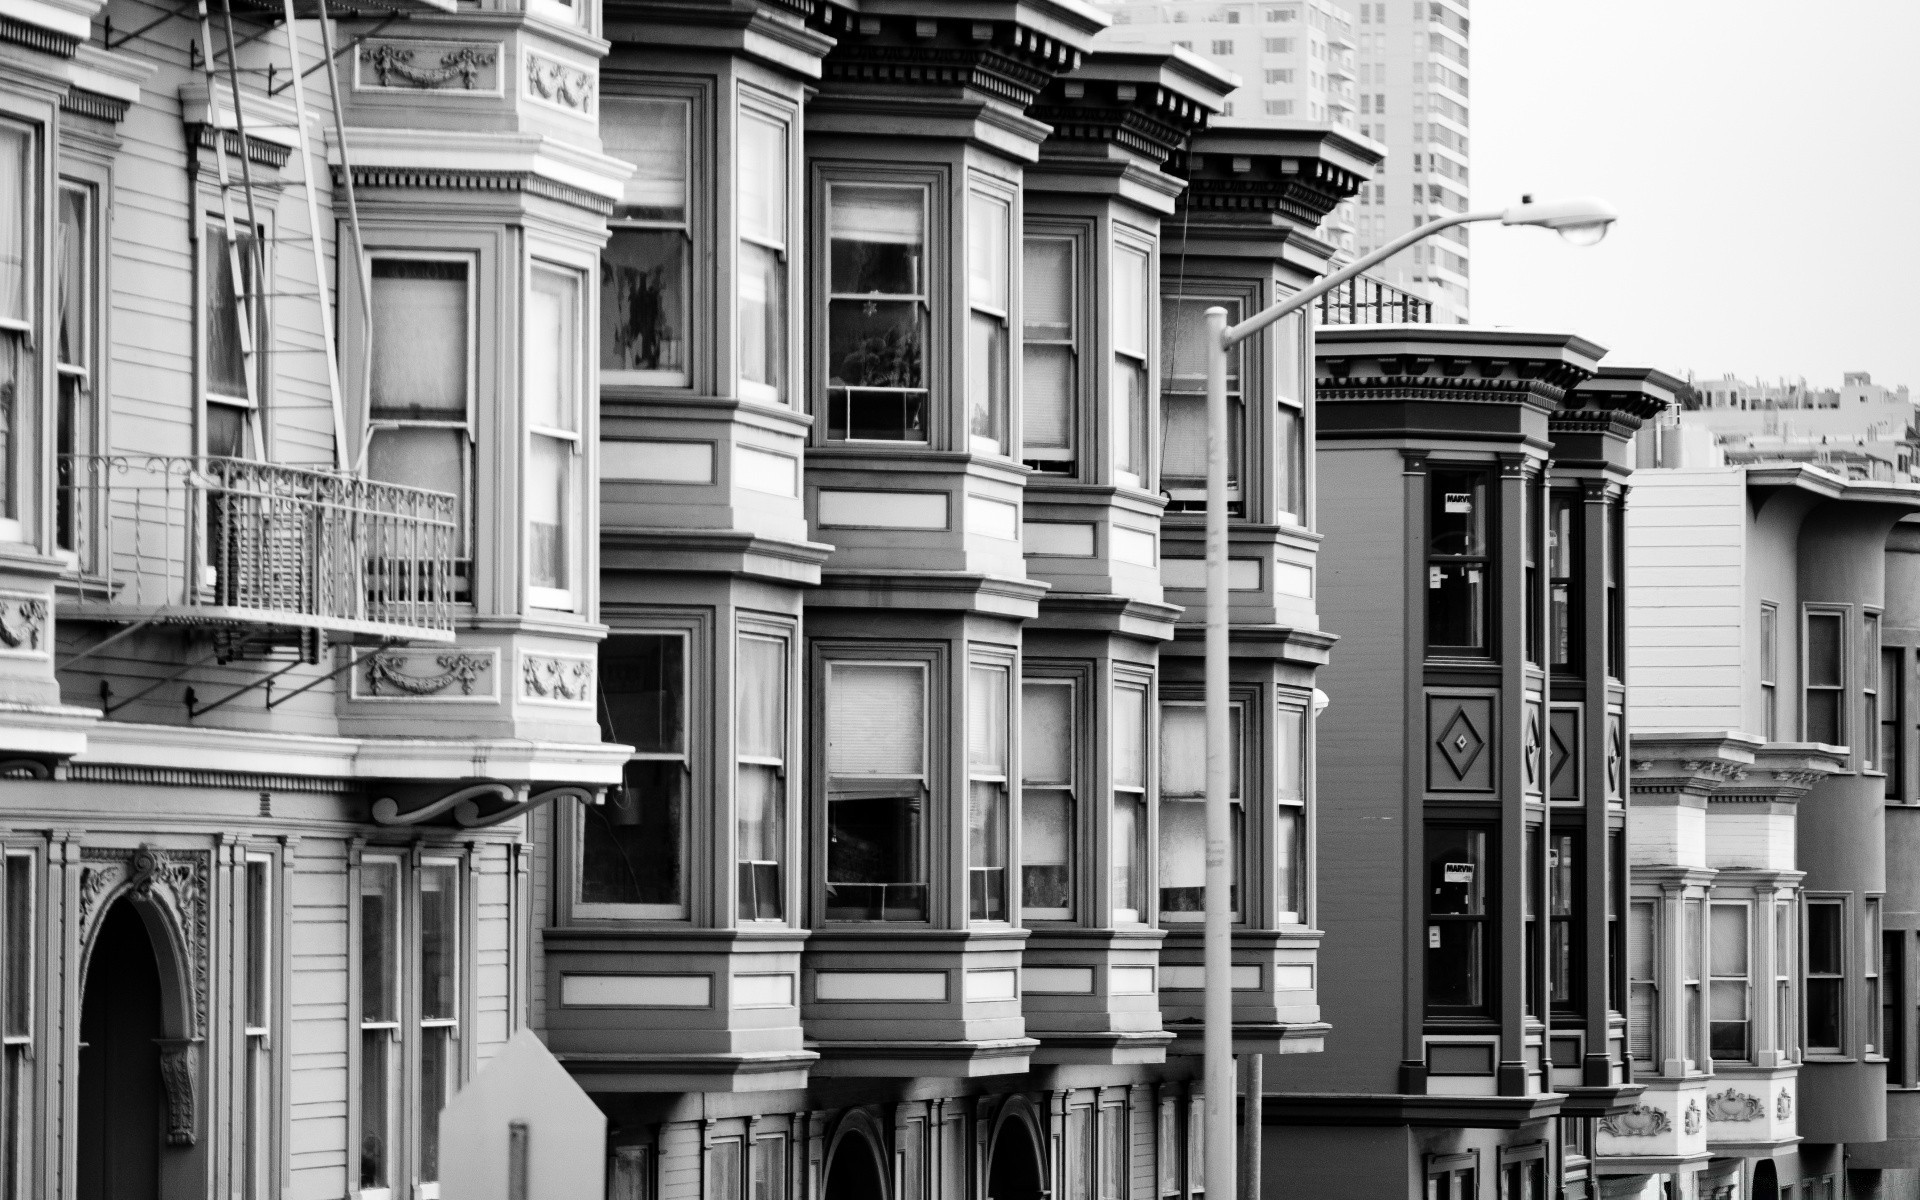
(1048, 754)
(1524, 1178)
(1279, 45)
(235, 324)
(1453, 1177)
(1825, 674)
(770, 1168)
(1077, 1150)
(257, 940)
(647, 261)
(1893, 700)
(18, 206)
(987, 759)
(76, 278)
(1786, 966)
(1279, 74)
(1279, 108)
(16, 1034)
(420, 431)
(988, 293)
(723, 1170)
(1530, 499)
(1168, 1141)
(380, 1031)
(439, 992)
(1461, 938)
(763, 163)
(1893, 976)
(1566, 947)
(1292, 368)
(877, 313)
(1132, 401)
(1048, 355)
(1870, 948)
(1826, 975)
(877, 792)
(1616, 527)
(1196, 1143)
(1183, 403)
(1290, 815)
(1222, 47)
(1694, 916)
(1643, 988)
(760, 791)
(1458, 563)
(1564, 579)
(1113, 1153)
(1530, 917)
(633, 847)
(1770, 669)
(1129, 833)
(1183, 811)
(1870, 691)
(553, 361)
(1730, 1037)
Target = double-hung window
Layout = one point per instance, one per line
(438, 1052)
(1770, 669)
(17, 1107)
(1692, 969)
(552, 398)
(1825, 673)
(1730, 1038)
(1870, 973)
(645, 269)
(1786, 968)
(1643, 984)
(1893, 699)
(75, 350)
(1290, 815)
(1132, 400)
(876, 854)
(1183, 403)
(1049, 757)
(19, 206)
(380, 1168)
(1459, 561)
(760, 794)
(1870, 691)
(1826, 979)
(420, 432)
(1566, 948)
(1462, 934)
(987, 763)
(258, 941)
(1564, 579)
(763, 172)
(1616, 592)
(989, 297)
(633, 856)
(235, 322)
(1293, 380)
(1183, 810)
(1049, 354)
(877, 313)
(1128, 838)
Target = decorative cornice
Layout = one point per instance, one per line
(258, 150)
(1005, 60)
(454, 179)
(251, 781)
(82, 102)
(34, 37)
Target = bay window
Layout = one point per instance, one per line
(876, 854)
(987, 764)
(633, 847)
(1290, 816)
(646, 265)
(1049, 354)
(76, 272)
(877, 313)
(1643, 983)
(763, 171)
(1132, 400)
(1183, 811)
(553, 379)
(1049, 755)
(18, 206)
(420, 416)
(1128, 837)
(760, 793)
(1826, 679)
(1826, 980)
(1462, 935)
(1458, 563)
(1564, 588)
(235, 323)
(1730, 1037)
(989, 297)
(1183, 403)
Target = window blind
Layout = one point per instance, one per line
(1046, 288)
(763, 179)
(1129, 737)
(876, 720)
(653, 136)
(887, 215)
(1046, 723)
(419, 338)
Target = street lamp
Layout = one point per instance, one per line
(1583, 221)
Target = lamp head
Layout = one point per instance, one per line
(1581, 220)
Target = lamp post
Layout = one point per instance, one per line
(1581, 221)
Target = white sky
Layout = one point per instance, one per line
(1764, 158)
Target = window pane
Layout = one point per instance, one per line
(987, 383)
(875, 863)
(723, 1180)
(1129, 857)
(19, 948)
(1183, 751)
(987, 720)
(226, 362)
(643, 300)
(439, 940)
(1183, 855)
(1456, 871)
(987, 850)
(877, 344)
(1823, 1014)
(1130, 302)
(643, 681)
(435, 459)
(1823, 717)
(16, 192)
(877, 237)
(259, 918)
(75, 255)
(876, 724)
(1729, 939)
(1824, 939)
(760, 797)
(549, 515)
(987, 247)
(763, 179)
(1289, 880)
(1046, 397)
(552, 358)
(378, 1083)
(438, 1081)
(419, 340)
(763, 318)
(1046, 289)
(379, 914)
(1046, 722)
(761, 697)
(1457, 513)
(630, 846)
(1183, 362)
(1291, 747)
(1130, 415)
(653, 136)
(1046, 851)
(1823, 650)
(1129, 737)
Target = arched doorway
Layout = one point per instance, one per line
(1014, 1172)
(1766, 1182)
(853, 1173)
(122, 1102)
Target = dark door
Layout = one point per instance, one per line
(120, 1092)
(1015, 1171)
(854, 1173)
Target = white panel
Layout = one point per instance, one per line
(993, 518)
(1292, 579)
(1194, 979)
(884, 510)
(657, 462)
(764, 471)
(1130, 981)
(1131, 545)
(1058, 981)
(637, 991)
(1291, 979)
(1059, 539)
(763, 991)
(1243, 574)
(992, 985)
(880, 985)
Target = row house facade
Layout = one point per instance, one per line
(1471, 767)
(1771, 915)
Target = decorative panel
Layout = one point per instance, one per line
(1564, 775)
(1533, 770)
(1460, 743)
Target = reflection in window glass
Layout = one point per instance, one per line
(632, 848)
(876, 769)
(763, 258)
(645, 265)
(876, 313)
(1459, 937)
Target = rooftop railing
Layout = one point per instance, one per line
(227, 540)
(1366, 301)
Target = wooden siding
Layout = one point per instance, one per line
(1686, 567)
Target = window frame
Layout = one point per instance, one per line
(930, 186)
(785, 636)
(1072, 790)
(19, 1082)
(1872, 973)
(1843, 650)
(1240, 707)
(1719, 984)
(1063, 461)
(1138, 468)
(1488, 919)
(979, 774)
(572, 443)
(1291, 887)
(253, 408)
(1649, 983)
(260, 1093)
(1487, 562)
(755, 104)
(77, 425)
(1144, 797)
(1769, 635)
(1836, 981)
(693, 227)
(925, 788)
(1185, 496)
(1870, 686)
(985, 193)
(1566, 622)
(1786, 968)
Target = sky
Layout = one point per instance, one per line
(1765, 160)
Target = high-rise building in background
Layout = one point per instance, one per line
(1394, 70)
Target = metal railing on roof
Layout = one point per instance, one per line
(1363, 300)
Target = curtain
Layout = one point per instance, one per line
(761, 699)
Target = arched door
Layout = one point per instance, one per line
(1014, 1173)
(1766, 1181)
(122, 1106)
(854, 1172)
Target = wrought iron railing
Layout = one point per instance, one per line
(229, 539)
(1366, 301)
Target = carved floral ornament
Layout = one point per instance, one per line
(549, 678)
(393, 65)
(1732, 1105)
(559, 84)
(388, 670)
(1642, 1120)
(23, 623)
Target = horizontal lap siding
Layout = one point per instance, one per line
(317, 1018)
(1686, 598)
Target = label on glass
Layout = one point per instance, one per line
(1457, 873)
(1459, 502)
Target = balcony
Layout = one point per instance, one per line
(1366, 301)
(225, 541)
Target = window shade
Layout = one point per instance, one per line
(1130, 302)
(1046, 724)
(888, 215)
(987, 252)
(1046, 288)
(876, 720)
(419, 338)
(552, 309)
(1183, 751)
(1729, 939)
(652, 135)
(1183, 439)
(16, 210)
(763, 179)
(1046, 397)
(1291, 752)
(761, 697)
(1129, 737)
(987, 720)
(73, 258)
(1183, 325)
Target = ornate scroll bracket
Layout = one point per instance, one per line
(389, 670)
(469, 816)
(387, 811)
(176, 1076)
(1642, 1120)
(390, 62)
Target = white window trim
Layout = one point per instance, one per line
(564, 599)
(762, 393)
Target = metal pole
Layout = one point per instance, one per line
(1218, 953)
